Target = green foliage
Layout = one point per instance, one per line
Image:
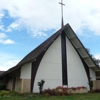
(88, 96)
(3, 92)
(10, 93)
(14, 93)
(2, 86)
(91, 85)
(29, 95)
(18, 89)
(40, 84)
(97, 61)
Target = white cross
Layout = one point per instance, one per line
(62, 11)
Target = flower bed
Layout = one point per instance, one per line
(60, 90)
(80, 89)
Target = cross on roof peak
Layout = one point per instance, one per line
(62, 4)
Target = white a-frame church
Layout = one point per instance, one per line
(61, 60)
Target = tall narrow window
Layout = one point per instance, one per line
(64, 59)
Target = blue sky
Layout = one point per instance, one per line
(25, 24)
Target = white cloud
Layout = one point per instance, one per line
(7, 61)
(36, 15)
(13, 26)
(4, 40)
(38, 33)
(2, 27)
(2, 36)
(97, 56)
(1, 15)
(8, 41)
(8, 30)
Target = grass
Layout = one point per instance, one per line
(89, 96)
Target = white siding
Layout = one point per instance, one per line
(50, 67)
(26, 71)
(92, 74)
(76, 71)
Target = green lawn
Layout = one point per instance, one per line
(95, 96)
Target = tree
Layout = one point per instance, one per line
(97, 61)
(40, 84)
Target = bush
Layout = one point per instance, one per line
(49, 91)
(3, 93)
(13, 92)
(40, 84)
(2, 86)
(57, 91)
(91, 85)
(97, 90)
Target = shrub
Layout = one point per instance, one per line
(62, 90)
(91, 85)
(28, 95)
(3, 92)
(57, 91)
(13, 92)
(73, 88)
(81, 87)
(47, 95)
(48, 91)
(97, 90)
(40, 84)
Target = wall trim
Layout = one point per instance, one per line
(64, 59)
(34, 69)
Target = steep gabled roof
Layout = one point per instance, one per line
(36, 52)
(80, 48)
(72, 38)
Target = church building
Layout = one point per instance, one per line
(61, 60)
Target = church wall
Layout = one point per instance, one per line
(26, 71)
(96, 84)
(18, 85)
(25, 86)
(92, 74)
(9, 79)
(9, 84)
(76, 71)
(50, 68)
